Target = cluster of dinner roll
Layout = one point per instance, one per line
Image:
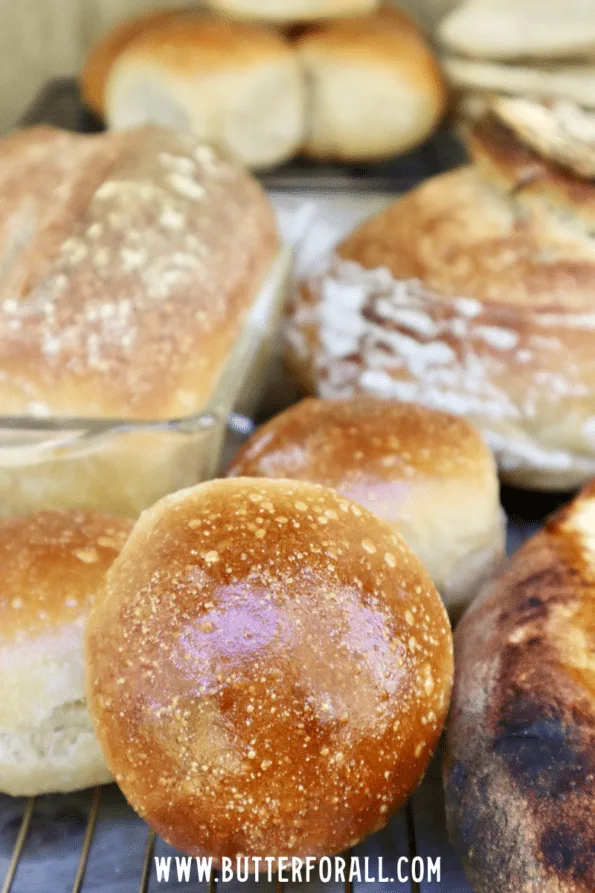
(362, 86)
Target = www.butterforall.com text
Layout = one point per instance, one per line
(294, 870)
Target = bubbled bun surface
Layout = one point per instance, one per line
(269, 670)
(426, 472)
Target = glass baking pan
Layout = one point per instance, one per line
(122, 466)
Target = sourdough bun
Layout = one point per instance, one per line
(294, 674)
(235, 85)
(375, 87)
(103, 55)
(520, 751)
(292, 10)
(53, 568)
(426, 473)
(472, 294)
(129, 263)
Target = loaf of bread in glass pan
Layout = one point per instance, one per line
(427, 473)
(53, 568)
(519, 764)
(472, 294)
(268, 671)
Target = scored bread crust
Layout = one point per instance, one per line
(472, 294)
(53, 568)
(519, 766)
(294, 674)
(375, 88)
(129, 262)
(427, 473)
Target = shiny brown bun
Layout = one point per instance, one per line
(269, 670)
(427, 473)
(53, 566)
(520, 756)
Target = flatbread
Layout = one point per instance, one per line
(560, 131)
(575, 82)
(517, 29)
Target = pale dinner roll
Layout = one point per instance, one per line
(268, 671)
(427, 473)
(235, 85)
(293, 10)
(53, 567)
(375, 87)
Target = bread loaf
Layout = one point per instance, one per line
(472, 294)
(294, 673)
(129, 262)
(520, 749)
(53, 567)
(375, 87)
(426, 473)
(235, 85)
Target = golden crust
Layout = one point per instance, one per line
(205, 43)
(53, 566)
(427, 473)
(294, 672)
(520, 757)
(129, 261)
(103, 55)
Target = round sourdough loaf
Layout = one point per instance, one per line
(427, 473)
(269, 670)
(53, 568)
(471, 294)
(519, 765)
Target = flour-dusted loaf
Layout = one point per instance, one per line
(269, 670)
(519, 766)
(129, 262)
(53, 568)
(375, 89)
(473, 294)
(292, 10)
(238, 86)
(427, 473)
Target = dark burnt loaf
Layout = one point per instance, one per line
(519, 767)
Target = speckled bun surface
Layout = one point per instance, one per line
(268, 671)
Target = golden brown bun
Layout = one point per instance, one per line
(53, 567)
(375, 87)
(294, 673)
(103, 55)
(426, 473)
(520, 756)
(472, 294)
(237, 86)
(292, 10)
(129, 262)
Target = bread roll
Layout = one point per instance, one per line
(101, 59)
(375, 87)
(426, 473)
(293, 10)
(237, 86)
(294, 673)
(520, 750)
(129, 262)
(472, 294)
(53, 567)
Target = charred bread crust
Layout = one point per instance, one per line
(519, 768)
